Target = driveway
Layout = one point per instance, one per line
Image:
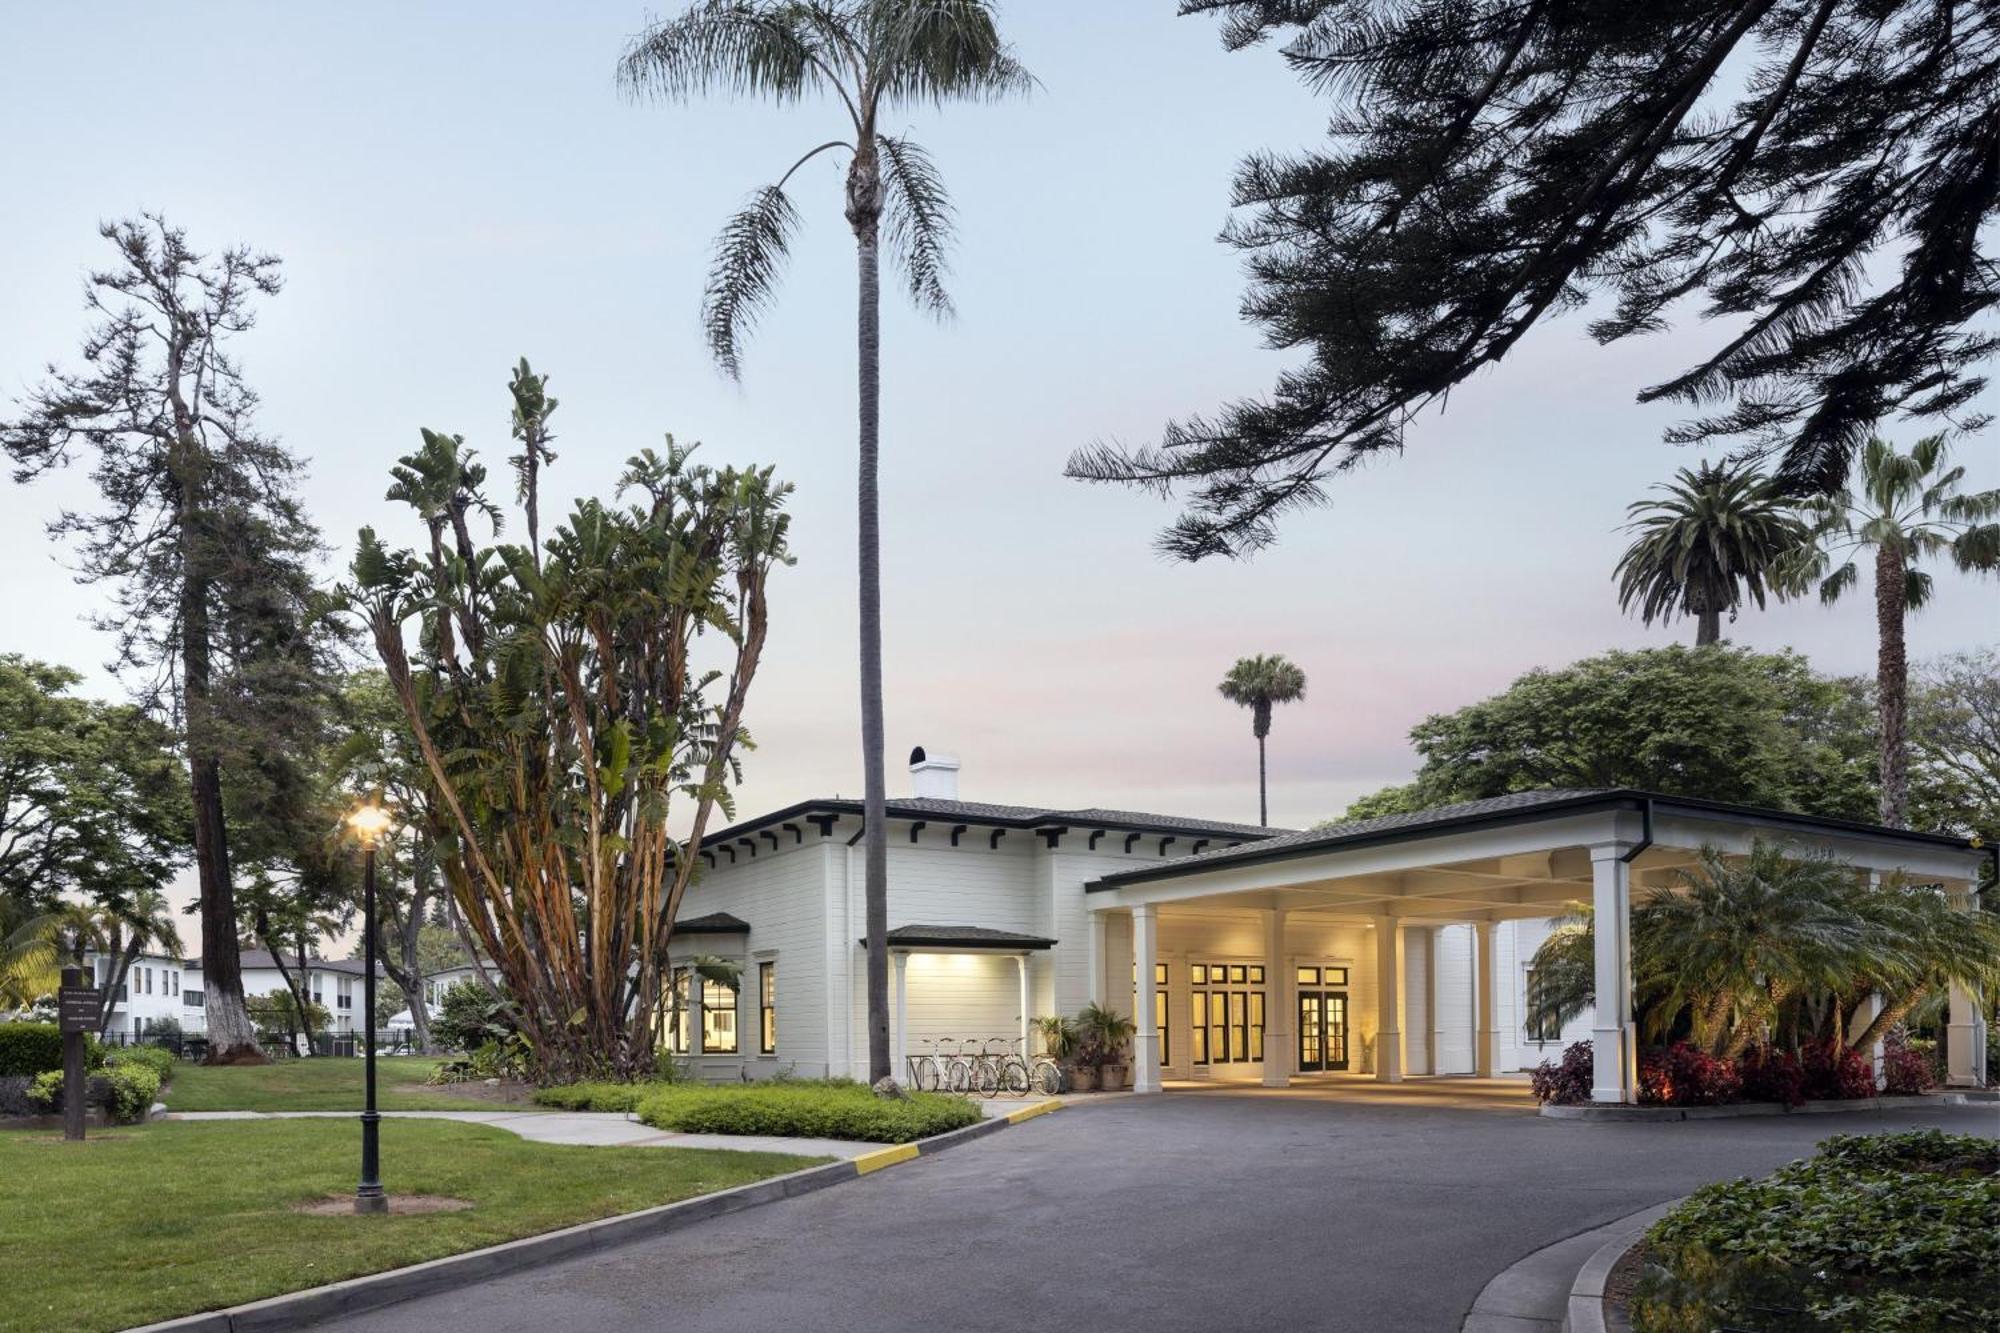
(1208, 1212)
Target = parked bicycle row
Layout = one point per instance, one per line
(984, 1067)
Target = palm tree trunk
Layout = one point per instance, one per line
(1708, 628)
(1892, 1014)
(864, 214)
(1892, 683)
(1263, 798)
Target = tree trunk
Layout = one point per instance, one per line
(864, 211)
(294, 984)
(401, 962)
(1892, 683)
(1892, 1014)
(1263, 796)
(1707, 628)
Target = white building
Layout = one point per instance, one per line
(155, 995)
(1394, 946)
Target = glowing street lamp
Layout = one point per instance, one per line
(370, 822)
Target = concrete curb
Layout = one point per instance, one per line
(1535, 1293)
(1741, 1109)
(299, 1309)
(1586, 1295)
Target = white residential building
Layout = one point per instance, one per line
(1394, 946)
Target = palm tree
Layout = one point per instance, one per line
(871, 57)
(1259, 684)
(1716, 538)
(1908, 510)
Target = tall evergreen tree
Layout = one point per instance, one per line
(1718, 535)
(871, 57)
(200, 537)
(1821, 176)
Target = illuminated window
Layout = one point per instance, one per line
(678, 1000)
(1336, 976)
(718, 1018)
(1200, 975)
(1309, 976)
(1227, 1013)
(767, 1007)
(1541, 1025)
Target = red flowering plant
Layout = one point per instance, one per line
(1685, 1075)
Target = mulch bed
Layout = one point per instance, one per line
(506, 1094)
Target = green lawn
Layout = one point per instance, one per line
(154, 1221)
(326, 1083)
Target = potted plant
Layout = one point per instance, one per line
(1106, 1034)
(1063, 1042)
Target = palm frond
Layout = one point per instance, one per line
(919, 216)
(749, 253)
(941, 50)
(740, 47)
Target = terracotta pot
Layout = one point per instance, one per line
(1111, 1078)
(1082, 1078)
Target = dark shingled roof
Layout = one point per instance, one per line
(963, 937)
(1008, 816)
(715, 923)
(250, 958)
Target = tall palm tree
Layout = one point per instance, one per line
(1908, 510)
(1259, 684)
(870, 57)
(1716, 537)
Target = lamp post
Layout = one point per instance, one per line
(369, 822)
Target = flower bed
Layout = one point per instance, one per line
(1874, 1232)
(1682, 1075)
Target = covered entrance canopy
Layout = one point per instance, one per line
(962, 940)
(1525, 855)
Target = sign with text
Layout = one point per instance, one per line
(77, 1007)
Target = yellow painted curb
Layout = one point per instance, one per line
(1030, 1112)
(875, 1161)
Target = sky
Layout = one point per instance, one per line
(455, 186)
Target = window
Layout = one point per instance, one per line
(767, 1008)
(146, 980)
(175, 978)
(1226, 1013)
(344, 992)
(718, 1018)
(191, 998)
(1541, 1026)
(679, 1000)
(1159, 1008)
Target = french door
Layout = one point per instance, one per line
(1322, 1030)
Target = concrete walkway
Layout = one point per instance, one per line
(600, 1129)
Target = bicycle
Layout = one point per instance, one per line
(1014, 1076)
(1045, 1075)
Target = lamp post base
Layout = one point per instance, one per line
(378, 1202)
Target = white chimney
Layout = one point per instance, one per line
(934, 777)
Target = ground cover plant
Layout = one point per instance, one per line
(161, 1220)
(799, 1108)
(1874, 1232)
(1685, 1075)
(325, 1083)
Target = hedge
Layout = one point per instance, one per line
(28, 1049)
(806, 1110)
(595, 1096)
(1873, 1233)
(156, 1058)
(129, 1090)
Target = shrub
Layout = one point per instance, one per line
(126, 1090)
(26, 1049)
(1906, 1070)
(1768, 1074)
(45, 1093)
(804, 1109)
(1566, 1083)
(156, 1058)
(595, 1096)
(470, 1015)
(1682, 1075)
(1875, 1232)
(1833, 1073)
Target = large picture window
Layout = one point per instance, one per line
(718, 1018)
(1226, 1013)
(767, 1008)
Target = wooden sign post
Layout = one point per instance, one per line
(78, 1009)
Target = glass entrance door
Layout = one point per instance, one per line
(1323, 1021)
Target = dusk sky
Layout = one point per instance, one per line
(455, 186)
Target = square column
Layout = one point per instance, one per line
(1095, 971)
(1027, 1015)
(1486, 1021)
(899, 1069)
(1388, 1000)
(1146, 1041)
(1965, 1026)
(1277, 1004)
(1614, 1037)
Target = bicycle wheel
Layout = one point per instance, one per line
(1014, 1077)
(986, 1076)
(1048, 1078)
(923, 1073)
(958, 1077)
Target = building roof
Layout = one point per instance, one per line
(261, 958)
(715, 923)
(999, 816)
(1515, 807)
(963, 937)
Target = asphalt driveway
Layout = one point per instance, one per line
(1199, 1211)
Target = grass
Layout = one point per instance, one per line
(329, 1083)
(157, 1221)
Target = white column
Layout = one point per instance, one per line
(1096, 960)
(1389, 1000)
(1146, 1043)
(1277, 1003)
(900, 1069)
(1614, 1039)
(1965, 1026)
(1027, 1046)
(1486, 1024)
(1864, 1014)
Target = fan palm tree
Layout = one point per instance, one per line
(871, 58)
(1716, 538)
(1908, 510)
(1259, 684)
